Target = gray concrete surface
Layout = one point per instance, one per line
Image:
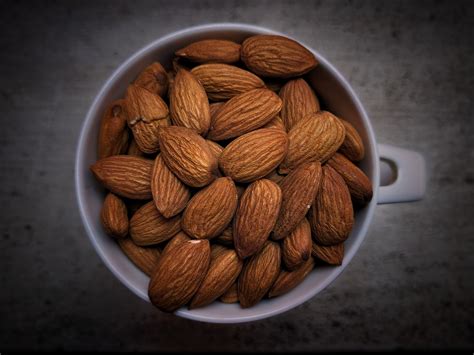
(409, 287)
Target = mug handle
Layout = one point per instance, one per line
(410, 182)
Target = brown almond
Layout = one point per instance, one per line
(216, 148)
(231, 295)
(267, 146)
(113, 133)
(153, 78)
(124, 175)
(214, 108)
(227, 237)
(288, 280)
(296, 247)
(178, 275)
(211, 51)
(277, 123)
(331, 216)
(352, 147)
(146, 134)
(211, 209)
(258, 274)
(255, 217)
(114, 216)
(276, 56)
(244, 113)
(177, 239)
(275, 177)
(330, 254)
(148, 226)
(134, 150)
(145, 258)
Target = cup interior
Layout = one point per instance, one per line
(336, 96)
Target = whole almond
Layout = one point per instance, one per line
(211, 51)
(258, 274)
(124, 175)
(148, 226)
(113, 133)
(216, 148)
(145, 258)
(352, 147)
(154, 78)
(244, 113)
(267, 146)
(214, 107)
(358, 183)
(277, 123)
(332, 254)
(255, 217)
(315, 138)
(296, 247)
(114, 216)
(211, 209)
(178, 275)
(299, 100)
(169, 193)
(276, 56)
(231, 295)
(189, 105)
(188, 156)
(227, 237)
(223, 270)
(223, 81)
(288, 280)
(299, 189)
(331, 216)
(178, 238)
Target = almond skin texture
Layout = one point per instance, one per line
(188, 156)
(231, 295)
(315, 138)
(352, 147)
(223, 270)
(114, 216)
(169, 193)
(299, 100)
(214, 107)
(144, 258)
(296, 248)
(134, 150)
(244, 113)
(255, 217)
(276, 56)
(211, 51)
(154, 78)
(189, 105)
(277, 123)
(179, 238)
(299, 189)
(254, 155)
(178, 275)
(331, 216)
(210, 210)
(216, 148)
(288, 280)
(258, 274)
(358, 183)
(148, 226)
(124, 175)
(332, 254)
(223, 81)
(227, 237)
(113, 133)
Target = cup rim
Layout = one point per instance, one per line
(88, 123)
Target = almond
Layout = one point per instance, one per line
(288, 280)
(145, 258)
(169, 193)
(223, 81)
(296, 247)
(255, 217)
(211, 51)
(189, 104)
(154, 78)
(332, 254)
(223, 270)
(148, 226)
(125, 175)
(114, 216)
(231, 295)
(276, 56)
(214, 108)
(258, 274)
(179, 238)
(211, 209)
(358, 183)
(352, 147)
(146, 134)
(299, 100)
(178, 275)
(331, 216)
(227, 237)
(315, 138)
(188, 156)
(277, 123)
(299, 189)
(113, 133)
(267, 146)
(133, 149)
(216, 148)
(244, 113)
(275, 177)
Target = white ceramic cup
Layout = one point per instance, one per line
(339, 98)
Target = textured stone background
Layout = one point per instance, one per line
(410, 285)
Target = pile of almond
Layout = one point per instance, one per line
(226, 180)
